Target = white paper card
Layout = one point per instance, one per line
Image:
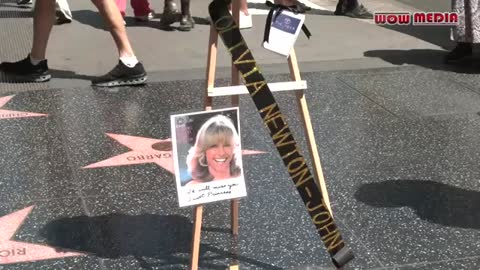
(284, 32)
(207, 156)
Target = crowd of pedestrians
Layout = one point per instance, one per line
(130, 71)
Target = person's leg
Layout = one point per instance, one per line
(352, 8)
(113, 18)
(34, 67)
(122, 6)
(245, 17)
(460, 34)
(185, 6)
(64, 15)
(43, 19)
(128, 71)
(244, 7)
(142, 10)
(170, 13)
(186, 21)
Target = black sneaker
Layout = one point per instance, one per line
(24, 3)
(62, 18)
(459, 53)
(186, 23)
(170, 14)
(359, 12)
(25, 71)
(122, 75)
(301, 7)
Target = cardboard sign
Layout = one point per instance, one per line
(284, 30)
(207, 156)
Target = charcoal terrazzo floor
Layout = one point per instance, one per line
(399, 149)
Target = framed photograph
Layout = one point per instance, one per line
(207, 156)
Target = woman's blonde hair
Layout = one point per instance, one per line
(217, 129)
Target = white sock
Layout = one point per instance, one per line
(129, 61)
(35, 61)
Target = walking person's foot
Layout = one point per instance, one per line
(62, 18)
(301, 7)
(186, 23)
(359, 12)
(146, 18)
(24, 3)
(459, 53)
(122, 75)
(170, 14)
(25, 71)
(352, 9)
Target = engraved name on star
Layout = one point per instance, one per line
(9, 114)
(145, 150)
(12, 251)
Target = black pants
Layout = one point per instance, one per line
(346, 5)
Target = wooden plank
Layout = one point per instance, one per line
(307, 125)
(211, 65)
(196, 234)
(242, 89)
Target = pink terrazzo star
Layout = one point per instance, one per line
(14, 251)
(8, 114)
(145, 150)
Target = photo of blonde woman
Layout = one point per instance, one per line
(208, 156)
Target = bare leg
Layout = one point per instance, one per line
(43, 19)
(111, 14)
(244, 7)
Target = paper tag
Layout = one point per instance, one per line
(284, 32)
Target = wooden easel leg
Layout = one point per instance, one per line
(211, 65)
(234, 213)
(303, 107)
(234, 265)
(235, 102)
(197, 230)
(235, 73)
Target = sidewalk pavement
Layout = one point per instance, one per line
(84, 49)
(396, 130)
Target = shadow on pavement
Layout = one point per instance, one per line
(164, 237)
(428, 58)
(4, 14)
(437, 35)
(432, 201)
(89, 17)
(308, 12)
(93, 19)
(56, 74)
(66, 74)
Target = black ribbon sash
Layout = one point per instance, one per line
(277, 9)
(280, 133)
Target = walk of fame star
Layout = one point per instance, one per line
(145, 150)
(8, 114)
(12, 251)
